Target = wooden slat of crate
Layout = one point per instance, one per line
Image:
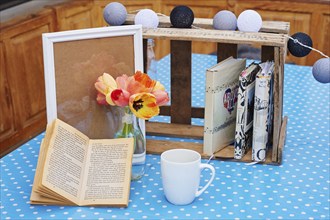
(206, 35)
(192, 131)
(181, 74)
(207, 23)
(174, 130)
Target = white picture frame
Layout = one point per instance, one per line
(116, 50)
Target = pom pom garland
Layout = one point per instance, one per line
(147, 18)
(249, 21)
(115, 14)
(321, 70)
(225, 20)
(182, 17)
(297, 49)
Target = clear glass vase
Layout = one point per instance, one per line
(130, 127)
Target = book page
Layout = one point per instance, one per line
(108, 172)
(63, 170)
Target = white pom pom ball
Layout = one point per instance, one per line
(115, 13)
(225, 20)
(321, 70)
(249, 21)
(147, 18)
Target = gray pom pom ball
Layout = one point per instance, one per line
(225, 20)
(115, 14)
(321, 70)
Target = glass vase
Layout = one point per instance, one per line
(129, 127)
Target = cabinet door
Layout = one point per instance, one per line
(25, 72)
(7, 128)
(132, 6)
(75, 15)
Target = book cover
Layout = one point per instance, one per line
(245, 105)
(220, 104)
(263, 107)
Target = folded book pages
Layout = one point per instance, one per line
(263, 112)
(245, 105)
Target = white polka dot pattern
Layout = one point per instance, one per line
(298, 189)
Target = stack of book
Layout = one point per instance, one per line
(238, 108)
(254, 111)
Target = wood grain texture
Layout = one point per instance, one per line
(277, 101)
(207, 23)
(23, 65)
(267, 53)
(196, 112)
(7, 124)
(226, 50)
(180, 82)
(159, 146)
(231, 37)
(75, 15)
(282, 141)
(174, 130)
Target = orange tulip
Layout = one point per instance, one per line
(144, 79)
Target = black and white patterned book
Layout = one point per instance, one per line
(263, 108)
(245, 105)
(220, 104)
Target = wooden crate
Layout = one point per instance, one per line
(272, 39)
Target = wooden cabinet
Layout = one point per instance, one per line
(75, 15)
(132, 6)
(23, 109)
(7, 126)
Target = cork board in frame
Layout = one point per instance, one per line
(73, 60)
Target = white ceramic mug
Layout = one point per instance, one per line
(181, 169)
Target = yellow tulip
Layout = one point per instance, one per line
(144, 105)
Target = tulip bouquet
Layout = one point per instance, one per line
(138, 95)
(139, 92)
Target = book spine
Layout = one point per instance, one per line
(261, 118)
(208, 123)
(239, 143)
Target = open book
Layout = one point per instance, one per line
(75, 170)
(220, 104)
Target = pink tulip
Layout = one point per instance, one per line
(120, 97)
(122, 81)
(100, 98)
(161, 97)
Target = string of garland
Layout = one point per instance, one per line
(311, 48)
(299, 44)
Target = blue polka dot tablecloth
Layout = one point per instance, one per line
(297, 189)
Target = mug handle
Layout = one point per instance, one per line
(203, 166)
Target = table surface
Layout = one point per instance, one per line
(297, 189)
